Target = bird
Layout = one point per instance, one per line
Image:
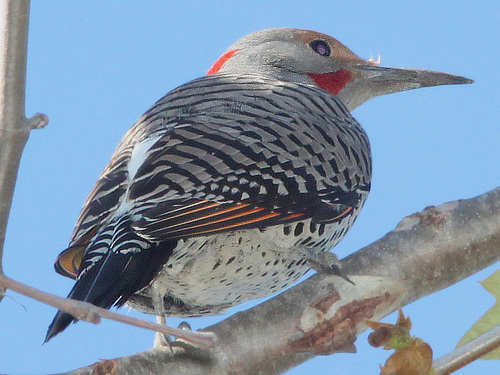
(234, 185)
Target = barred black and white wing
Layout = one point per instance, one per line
(221, 153)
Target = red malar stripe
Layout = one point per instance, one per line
(332, 82)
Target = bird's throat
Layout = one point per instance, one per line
(332, 82)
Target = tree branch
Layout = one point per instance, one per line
(90, 313)
(428, 251)
(465, 354)
(14, 127)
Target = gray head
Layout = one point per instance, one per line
(310, 57)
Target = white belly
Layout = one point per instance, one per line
(206, 275)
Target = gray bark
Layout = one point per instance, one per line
(14, 126)
(426, 252)
(14, 130)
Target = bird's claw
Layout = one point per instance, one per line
(328, 262)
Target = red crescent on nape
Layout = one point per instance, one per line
(221, 61)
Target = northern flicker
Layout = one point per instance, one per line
(230, 185)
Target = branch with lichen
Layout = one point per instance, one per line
(426, 252)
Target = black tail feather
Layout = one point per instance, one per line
(113, 279)
(61, 321)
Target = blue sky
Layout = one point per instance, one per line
(94, 67)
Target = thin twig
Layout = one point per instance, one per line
(14, 127)
(90, 313)
(468, 353)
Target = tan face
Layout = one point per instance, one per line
(309, 57)
(338, 52)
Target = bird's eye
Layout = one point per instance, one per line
(321, 47)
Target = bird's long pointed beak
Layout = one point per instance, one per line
(371, 81)
(409, 78)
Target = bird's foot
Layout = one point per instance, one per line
(327, 262)
(162, 341)
(181, 342)
(189, 346)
